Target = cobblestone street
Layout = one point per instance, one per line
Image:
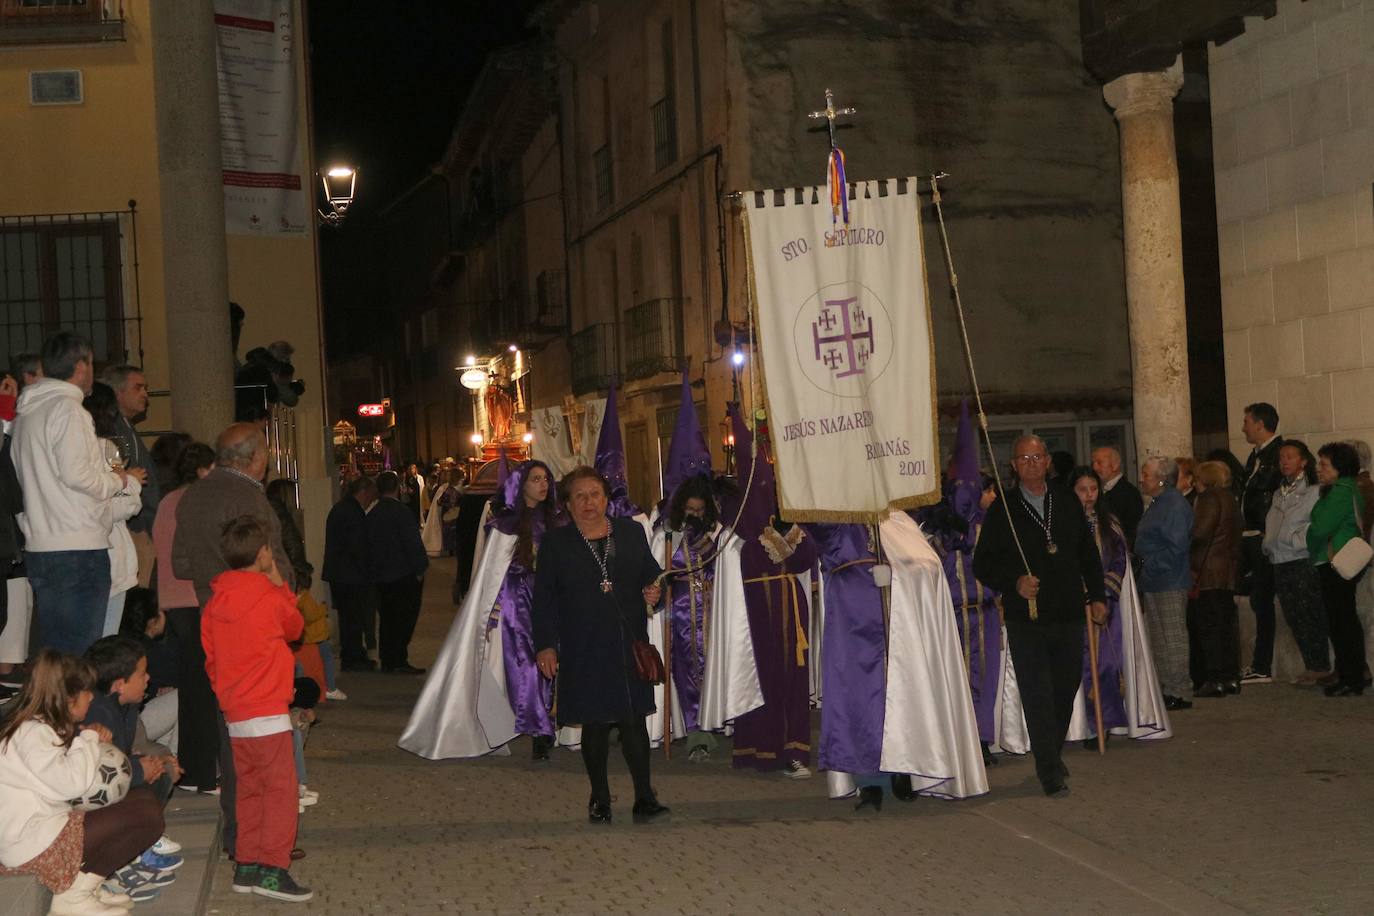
(1259, 804)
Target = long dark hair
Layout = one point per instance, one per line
(54, 681)
(103, 407)
(1105, 518)
(698, 487)
(547, 511)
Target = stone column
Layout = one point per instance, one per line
(194, 258)
(1153, 241)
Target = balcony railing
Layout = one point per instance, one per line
(665, 132)
(593, 354)
(24, 22)
(653, 338)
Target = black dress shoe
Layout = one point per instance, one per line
(1173, 704)
(646, 812)
(1055, 789)
(901, 787)
(870, 797)
(1232, 688)
(542, 743)
(1345, 690)
(1210, 689)
(598, 812)
(988, 759)
(403, 669)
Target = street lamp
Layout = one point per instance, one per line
(339, 181)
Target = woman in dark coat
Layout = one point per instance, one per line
(593, 579)
(1214, 559)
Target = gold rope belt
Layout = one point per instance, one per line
(802, 643)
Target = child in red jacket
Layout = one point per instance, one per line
(245, 629)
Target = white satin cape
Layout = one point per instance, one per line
(1146, 716)
(463, 709)
(929, 730)
(432, 532)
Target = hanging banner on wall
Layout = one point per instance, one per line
(265, 191)
(843, 323)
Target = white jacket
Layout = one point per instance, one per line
(38, 779)
(68, 485)
(126, 504)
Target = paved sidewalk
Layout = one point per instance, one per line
(1259, 804)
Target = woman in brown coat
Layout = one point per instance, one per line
(1215, 562)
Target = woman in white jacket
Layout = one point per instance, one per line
(47, 759)
(104, 410)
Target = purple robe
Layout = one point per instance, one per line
(779, 731)
(691, 620)
(1111, 665)
(529, 692)
(976, 613)
(854, 663)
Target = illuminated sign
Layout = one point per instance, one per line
(371, 410)
(473, 379)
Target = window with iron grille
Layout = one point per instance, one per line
(71, 271)
(664, 111)
(60, 21)
(605, 186)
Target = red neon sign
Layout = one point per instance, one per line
(371, 410)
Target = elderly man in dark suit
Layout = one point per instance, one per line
(347, 562)
(398, 567)
(1121, 495)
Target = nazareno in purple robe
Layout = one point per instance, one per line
(529, 692)
(854, 663)
(691, 621)
(1111, 667)
(977, 616)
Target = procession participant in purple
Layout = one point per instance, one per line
(484, 688)
(954, 525)
(1046, 639)
(1132, 704)
(896, 704)
(776, 562)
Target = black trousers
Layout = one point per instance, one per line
(1343, 624)
(1218, 631)
(197, 735)
(1261, 582)
(634, 744)
(398, 609)
(1048, 657)
(351, 601)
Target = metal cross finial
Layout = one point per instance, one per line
(830, 113)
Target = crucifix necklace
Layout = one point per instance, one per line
(603, 559)
(1044, 524)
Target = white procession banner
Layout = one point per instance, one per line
(844, 332)
(264, 191)
(552, 444)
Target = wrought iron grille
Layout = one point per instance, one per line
(71, 271)
(549, 288)
(594, 358)
(605, 177)
(25, 22)
(665, 133)
(653, 338)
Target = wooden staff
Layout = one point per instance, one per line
(1097, 687)
(667, 599)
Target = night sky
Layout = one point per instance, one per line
(389, 84)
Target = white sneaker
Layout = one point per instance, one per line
(166, 846)
(794, 770)
(1251, 676)
(335, 694)
(308, 797)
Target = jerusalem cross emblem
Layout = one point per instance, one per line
(843, 337)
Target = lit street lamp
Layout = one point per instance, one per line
(339, 181)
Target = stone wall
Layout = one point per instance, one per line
(996, 94)
(1292, 100)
